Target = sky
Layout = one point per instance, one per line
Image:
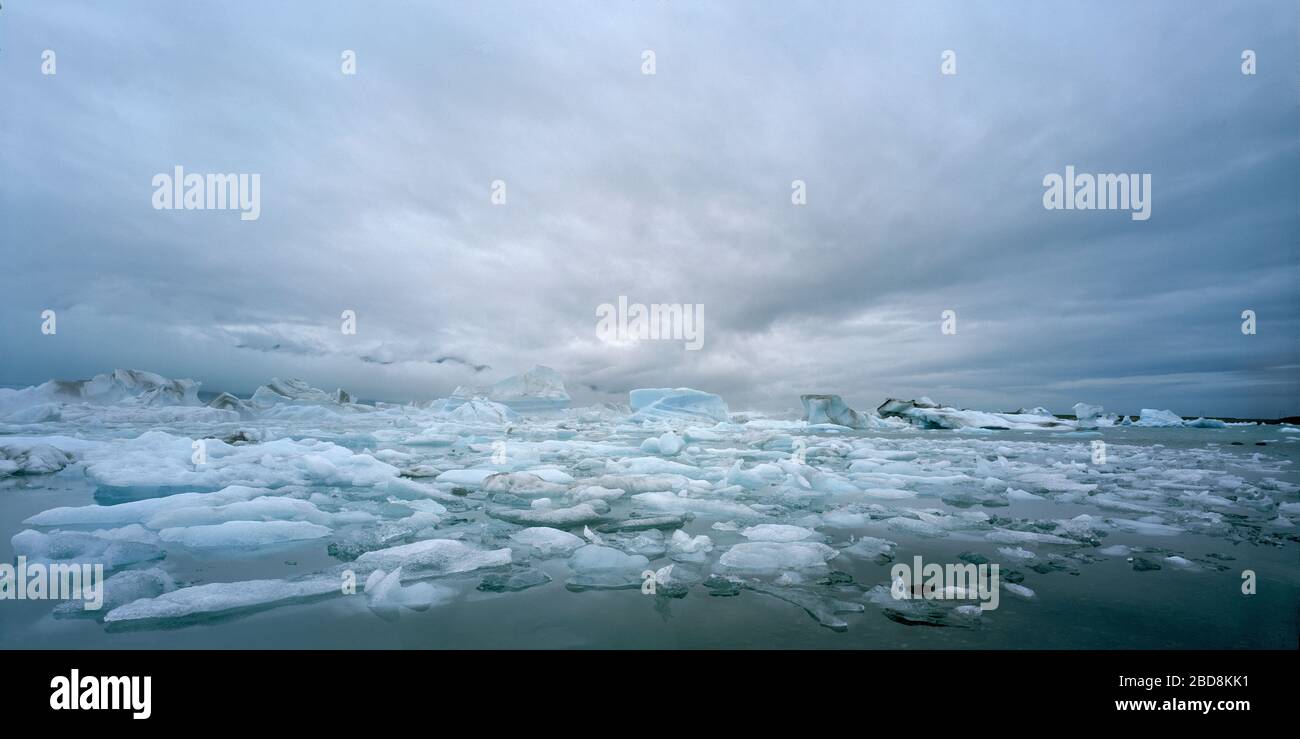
(924, 194)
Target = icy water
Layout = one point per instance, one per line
(1145, 550)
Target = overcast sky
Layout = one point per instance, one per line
(924, 194)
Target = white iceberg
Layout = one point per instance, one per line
(539, 389)
(1159, 419)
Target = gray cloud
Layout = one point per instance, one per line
(924, 195)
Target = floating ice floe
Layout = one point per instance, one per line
(547, 541)
(385, 594)
(432, 557)
(600, 567)
(769, 557)
(217, 599)
(83, 547)
(242, 534)
(120, 589)
(31, 458)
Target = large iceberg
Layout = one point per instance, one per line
(1091, 416)
(683, 403)
(820, 409)
(122, 396)
(831, 409)
(539, 389)
(927, 414)
(143, 388)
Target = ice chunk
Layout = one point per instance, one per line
(871, 548)
(596, 566)
(676, 403)
(467, 478)
(82, 547)
(31, 459)
(641, 483)
(294, 391)
(228, 402)
(140, 511)
(433, 557)
(667, 444)
(120, 589)
(684, 504)
(832, 409)
(262, 508)
(161, 460)
(777, 532)
(645, 523)
(385, 594)
(520, 579)
(480, 412)
(539, 389)
(1017, 553)
(760, 557)
(582, 513)
(686, 548)
(240, 534)
(224, 598)
(519, 483)
(820, 607)
(547, 541)
(1090, 416)
(926, 414)
(1158, 418)
(1018, 589)
(141, 388)
(594, 492)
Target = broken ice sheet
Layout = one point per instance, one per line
(485, 485)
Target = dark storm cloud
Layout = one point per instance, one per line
(924, 195)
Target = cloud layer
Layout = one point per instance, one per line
(924, 195)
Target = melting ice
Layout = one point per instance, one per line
(506, 489)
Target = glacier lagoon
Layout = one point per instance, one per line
(503, 518)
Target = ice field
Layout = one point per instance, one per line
(503, 517)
